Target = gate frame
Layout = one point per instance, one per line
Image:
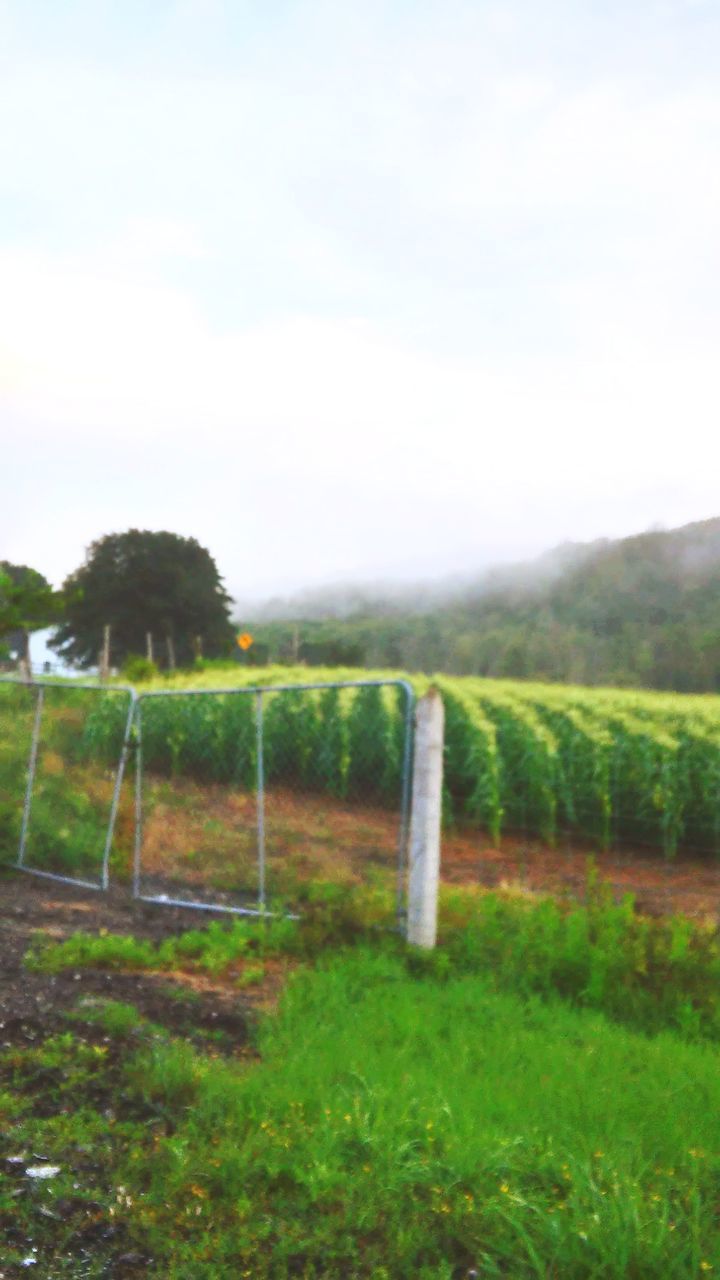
(41, 686)
(258, 691)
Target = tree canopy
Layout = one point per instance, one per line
(27, 603)
(141, 582)
(641, 611)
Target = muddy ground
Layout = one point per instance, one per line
(32, 1004)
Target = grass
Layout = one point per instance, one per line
(650, 974)
(395, 1126)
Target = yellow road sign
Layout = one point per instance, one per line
(245, 640)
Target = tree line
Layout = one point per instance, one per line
(138, 594)
(638, 612)
(641, 611)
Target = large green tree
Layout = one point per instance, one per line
(27, 603)
(138, 583)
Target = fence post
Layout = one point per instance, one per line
(425, 820)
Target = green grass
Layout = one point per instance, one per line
(396, 1127)
(649, 974)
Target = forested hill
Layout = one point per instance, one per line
(641, 611)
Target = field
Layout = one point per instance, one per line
(540, 1098)
(537, 779)
(306, 1098)
(609, 765)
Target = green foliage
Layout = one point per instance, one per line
(472, 760)
(212, 738)
(333, 748)
(214, 949)
(652, 975)
(139, 582)
(397, 1127)
(27, 603)
(81, 735)
(136, 669)
(291, 737)
(374, 763)
(17, 711)
(409, 1114)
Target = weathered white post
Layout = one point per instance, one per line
(425, 820)
(104, 663)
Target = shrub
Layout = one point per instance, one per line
(136, 669)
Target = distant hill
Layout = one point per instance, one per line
(639, 611)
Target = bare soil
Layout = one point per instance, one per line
(32, 1004)
(204, 831)
(689, 885)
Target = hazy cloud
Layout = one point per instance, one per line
(356, 290)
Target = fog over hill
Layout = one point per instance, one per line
(643, 611)
(386, 596)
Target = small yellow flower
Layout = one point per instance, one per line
(504, 1188)
(705, 1266)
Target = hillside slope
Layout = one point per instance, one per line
(641, 611)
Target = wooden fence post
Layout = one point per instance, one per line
(424, 871)
(104, 664)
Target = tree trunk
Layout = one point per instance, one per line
(105, 655)
(171, 652)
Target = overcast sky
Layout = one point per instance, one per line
(357, 289)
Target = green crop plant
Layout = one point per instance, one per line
(528, 761)
(331, 761)
(472, 762)
(291, 737)
(608, 765)
(374, 764)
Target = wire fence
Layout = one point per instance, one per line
(63, 827)
(242, 797)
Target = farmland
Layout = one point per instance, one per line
(608, 765)
(307, 1098)
(538, 778)
(555, 767)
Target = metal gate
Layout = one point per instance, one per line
(70, 741)
(238, 789)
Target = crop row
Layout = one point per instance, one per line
(605, 765)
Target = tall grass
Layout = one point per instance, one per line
(403, 1129)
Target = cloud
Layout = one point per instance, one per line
(358, 289)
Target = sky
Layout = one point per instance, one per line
(356, 291)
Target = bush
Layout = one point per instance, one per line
(137, 669)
